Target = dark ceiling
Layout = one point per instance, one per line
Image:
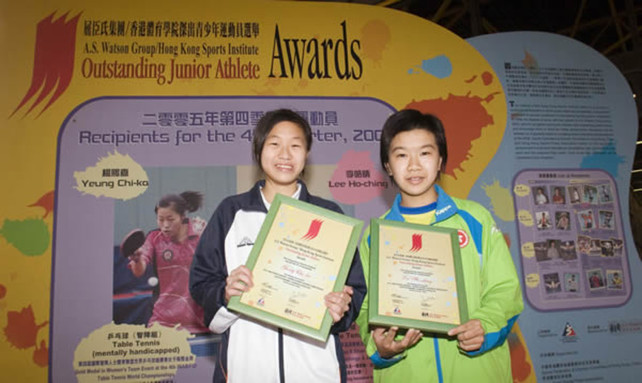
(602, 24)
(612, 27)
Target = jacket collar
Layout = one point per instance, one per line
(445, 207)
(256, 201)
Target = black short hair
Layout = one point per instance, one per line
(269, 120)
(407, 120)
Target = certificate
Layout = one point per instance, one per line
(302, 253)
(415, 277)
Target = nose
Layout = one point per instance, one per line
(284, 153)
(413, 162)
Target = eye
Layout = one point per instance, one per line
(400, 155)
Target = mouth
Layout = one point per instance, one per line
(415, 180)
(284, 167)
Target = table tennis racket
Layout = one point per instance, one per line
(132, 242)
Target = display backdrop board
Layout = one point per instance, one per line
(109, 107)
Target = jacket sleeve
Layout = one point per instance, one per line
(208, 274)
(358, 283)
(501, 295)
(362, 320)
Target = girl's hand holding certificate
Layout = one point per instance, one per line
(386, 344)
(338, 303)
(470, 335)
(238, 282)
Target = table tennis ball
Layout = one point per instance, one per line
(152, 281)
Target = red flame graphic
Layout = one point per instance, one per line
(416, 242)
(53, 63)
(313, 231)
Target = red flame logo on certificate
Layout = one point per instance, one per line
(53, 62)
(313, 231)
(416, 242)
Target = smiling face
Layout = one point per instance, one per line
(283, 158)
(414, 164)
(169, 222)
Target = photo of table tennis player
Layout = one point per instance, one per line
(169, 249)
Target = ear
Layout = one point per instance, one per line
(441, 160)
(388, 169)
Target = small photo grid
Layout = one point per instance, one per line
(558, 195)
(574, 194)
(595, 278)
(574, 227)
(563, 220)
(614, 280)
(543, 220)
(571, 282)
(540, 195)
(552, 283)
(586, 219)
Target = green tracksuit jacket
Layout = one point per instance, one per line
(493, 296)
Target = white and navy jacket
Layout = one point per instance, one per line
(250, 350)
